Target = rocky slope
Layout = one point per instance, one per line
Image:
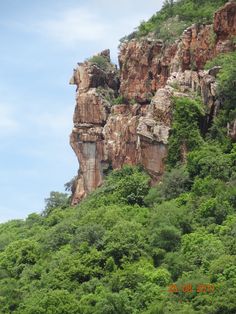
(136, 131)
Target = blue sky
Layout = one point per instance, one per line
(41, 42)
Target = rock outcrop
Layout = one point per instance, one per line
(147, 63)
(136, 131)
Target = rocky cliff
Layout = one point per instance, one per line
(107, 135)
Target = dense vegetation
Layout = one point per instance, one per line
(100, 62)
(129, 248)
(122, 249)
(175, 16)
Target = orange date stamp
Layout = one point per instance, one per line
(188, 288)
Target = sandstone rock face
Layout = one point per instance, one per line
(108, 136)
(225, 21)
(146, 64)
(144, 68)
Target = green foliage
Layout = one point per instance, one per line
(119, 100)
(52, 301)
(171, 29)
(59, 235)
(226, 80)
(214, 208)
(224, 268)
(129, 185)
(200, 248)
(100, 62)
(210, 160)
(174, 17)
(185, 132)
(18, 255)
(166, 237)
(226, 77)
(92, 234)
(56, 199)
(125, 240)
(174, 182)
(111, 254)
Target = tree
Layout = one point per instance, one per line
(18, 255)
(185, 133)
(200, 248)
(56, 199)
(50, 302)
(173, 183)
(209, 160)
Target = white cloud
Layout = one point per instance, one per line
(8, 123)
(72, 26)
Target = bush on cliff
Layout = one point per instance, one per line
(182, 13)
(226, 80)
(174, 182)
(56, 199)
(100, 62)
(112, 255)
(185, 133)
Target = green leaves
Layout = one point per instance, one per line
(100, 62)
(50, 302)
(18, 255)
(199, 248)
(185, 133)
(112, 255)
(180, 15)
(55, 200)
(129, 185)
(173, 183)
(125, 240)
(210, 160)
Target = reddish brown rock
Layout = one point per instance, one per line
(144, 68)
(146, 64)
(91, 108)
(225, 21)
(106, 136)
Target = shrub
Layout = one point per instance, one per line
(226, 80)
(185, 132)
(186, 12)
(55, 200)
(200, 248)
(90, 233)
(207, 187)
(50, 301)
(215, 209)
(209, 160)
(174, 182)
(100, 62)
(129, 185)
(166, 237)
(18, 255)
(119, 100)
(126, 239)
(171, 29)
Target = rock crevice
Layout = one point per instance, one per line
(136, 131)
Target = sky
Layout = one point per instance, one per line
(41, 42)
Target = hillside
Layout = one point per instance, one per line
(153, 222)
(175, 16)
(125, 116)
